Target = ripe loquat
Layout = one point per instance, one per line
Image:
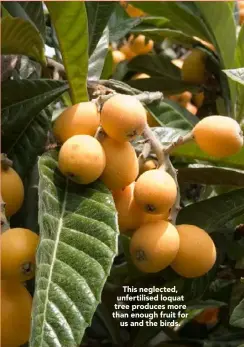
(193, 69)
(123, 117)
(12, 191)
(191, 108)
(79, 119)
(197, 252)
(155, 191)
(154, 246)
(118, 56)
(140, 45)
(16, 304)
(130, 216)
(149, 164)
(126, 50)
(18, 251)
(82, 159)
(218, 136)
(121, 164)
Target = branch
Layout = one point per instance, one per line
(57, 68)
(179, 142)
(176, 208)
(5, 162)
(149, 97)
(144, 154)
(157, 147)
(4, 222)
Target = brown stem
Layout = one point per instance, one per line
(179, 142)
(148, 97)
(157, 147)
(5, 162)
(176, 208)
(4, 222)
(100, 134)
(144, 154)
(58, 69)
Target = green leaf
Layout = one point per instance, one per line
(78, 227)
(21, 37)
(214, 213)
(70, 22)
(120, 24)
(212, 11)
(156, 66)
(97, 59)
(108, 66)
(180, 17)
(237, 317)
(31, 11)
(158, 34)
(24, 128)
(236, 75)
(98, 14)
(239, 52)
(170, 114)
(207, 174)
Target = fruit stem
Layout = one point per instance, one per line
(176, 208)
(5, 162)
(179, 142)
(149, 97)
(155, 143)
(4, 222)
(144, 153)
(100, 133)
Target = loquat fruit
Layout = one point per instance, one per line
(123, 117)
(139, 45)
(139, 76)
(208, 316)
(16, 304)
(118, 56)
(12, 191)
(18, 251)
(82, 159)
(198, 99)
(154, 246)
(149, 164)
(121, 164)
(193, 69)
(218, 136)
(191, 108)
(79, 119)
(126, 50)
(197, 252)
(155, 191)
(130, 216)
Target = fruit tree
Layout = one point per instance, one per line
(122, 174)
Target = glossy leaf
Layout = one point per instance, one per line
(180, 17)
(97, 59)
(169, 113)
(31, 11)
(236, 75)
(214, 213)
(19, 36)
(237, 317)
(70, 22)
(24, 128)
(207, 174)
(98, 14)
(120, 24)
(78, 227)
(158, 34)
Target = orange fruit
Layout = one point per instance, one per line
(140, 45)
(82, 159)
(16, 304)
(79, 119)
(218, 136)
(121, 164)
(197, 252)
(12, 191)
(18, 251)
(154, 246)
(155, 191)
(123, 117)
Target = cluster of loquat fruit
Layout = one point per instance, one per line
(143, 198)
(18, 249)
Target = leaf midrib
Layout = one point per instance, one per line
(60, 225)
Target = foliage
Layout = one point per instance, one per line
(82, 261)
